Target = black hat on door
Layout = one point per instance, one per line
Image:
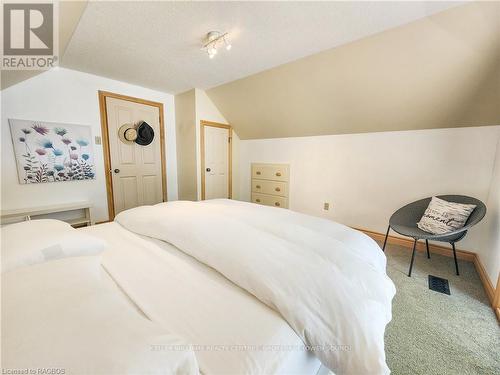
(145, 134)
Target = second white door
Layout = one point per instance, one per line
(216, 155)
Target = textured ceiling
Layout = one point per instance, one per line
(438, 72)
(157, 44)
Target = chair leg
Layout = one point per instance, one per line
(427, 245)
(412, 257)
(386, 235)
(455, 257)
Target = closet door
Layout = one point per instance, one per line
(136, 170)
(216, 159)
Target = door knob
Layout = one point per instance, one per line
(117, 170)
(208, 169)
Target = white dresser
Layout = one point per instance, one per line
(270, 184)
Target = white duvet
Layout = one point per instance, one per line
(230, 331)
(68, 317)
(327, 280)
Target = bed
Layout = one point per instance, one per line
(235, 288)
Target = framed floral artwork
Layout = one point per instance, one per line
(52, 152)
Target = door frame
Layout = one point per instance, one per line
(204, 123)
(106, 150)
(496, 298)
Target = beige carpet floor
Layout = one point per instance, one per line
(434, 333)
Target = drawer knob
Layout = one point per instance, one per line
(257, 186)
(277, 204)
(257, 200)
(277, 189)
(258, 172)
(278, 174)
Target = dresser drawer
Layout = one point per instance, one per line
(270, 200)
(275, 172)
(270, 187)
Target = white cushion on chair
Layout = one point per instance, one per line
(442, 217)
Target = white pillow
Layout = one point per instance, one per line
(38, 241)
(442, 216)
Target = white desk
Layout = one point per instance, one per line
(20, 214)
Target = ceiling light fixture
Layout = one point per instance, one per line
(213, 41)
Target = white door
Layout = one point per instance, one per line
(136, 170)
(216, 145)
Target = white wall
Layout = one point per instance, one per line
(366, 177)
(489, 249)
(68, 96)
(185, 133)
(206, 110)
(236, 166)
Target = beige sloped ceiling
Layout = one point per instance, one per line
(438, 72)
(69, 16)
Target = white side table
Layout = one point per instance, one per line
(20, 214)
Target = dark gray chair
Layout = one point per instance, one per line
(404, 221)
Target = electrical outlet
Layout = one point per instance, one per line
(326, 206)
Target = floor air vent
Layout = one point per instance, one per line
(439, 285)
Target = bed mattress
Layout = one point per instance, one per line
(230, 330)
